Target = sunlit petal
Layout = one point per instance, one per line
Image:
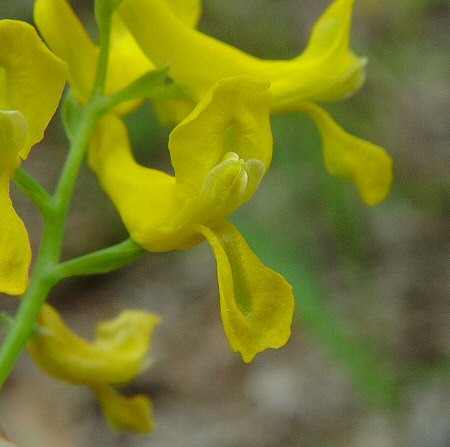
(15, 250)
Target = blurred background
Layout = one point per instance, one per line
(367, 364)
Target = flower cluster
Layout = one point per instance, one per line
(221, 100)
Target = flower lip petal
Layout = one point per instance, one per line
(223, 191)
(257, 304)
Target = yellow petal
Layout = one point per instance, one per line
(125, 413)
(67, 38)
(115, 356)
(232, 117)
(15, 251)
(31, 78)
(256, 303)
(366, 164)
(172, 111)
(326, 71)
(331, 32)
(127, 62)
(211, 179)
(169, 112)
(157, 214)
(31, 83)
(145, 198)
(188, 11)
(196, 60)
(13, 136)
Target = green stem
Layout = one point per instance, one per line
(103, 15)
(101, 261)
(37, 194)
(40, 285)
(54, 215)
(80, 141)
(149, 85)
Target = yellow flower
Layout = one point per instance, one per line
(31, 83)
(326, 71)
(219, 154)
(115, 357)
(67, 38)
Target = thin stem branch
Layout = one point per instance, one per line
(26, 317)
(101, 261)
(34, 190)
(104, 23)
